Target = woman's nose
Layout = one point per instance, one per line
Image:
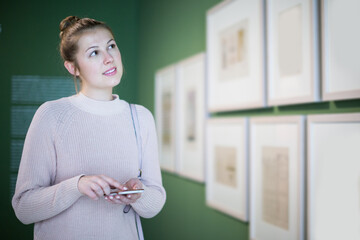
(108, 58)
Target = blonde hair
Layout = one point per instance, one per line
(71, 29)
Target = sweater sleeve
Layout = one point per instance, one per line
(36, 198)
(153, 198)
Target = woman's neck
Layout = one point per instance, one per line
(101, 95)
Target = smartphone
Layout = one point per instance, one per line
(114, 192)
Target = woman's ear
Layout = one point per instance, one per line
(71, 68)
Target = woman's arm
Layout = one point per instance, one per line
(36, 198)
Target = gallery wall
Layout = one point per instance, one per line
(171, 31)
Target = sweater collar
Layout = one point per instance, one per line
(97, 107)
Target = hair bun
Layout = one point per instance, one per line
(67, 22)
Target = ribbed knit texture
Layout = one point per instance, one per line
(78, 135)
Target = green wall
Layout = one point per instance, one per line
(170, 31)
(29, 46)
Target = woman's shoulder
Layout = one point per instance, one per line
(140, 109)
(55, 105)
(52, 109)
(143, 112)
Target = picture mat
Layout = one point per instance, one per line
(278, 133)
(191, 116)
(285, 86)
(341, 73)
(229, 133)
(242, 91)
(290, 41)
(165, 84)
(334, 176)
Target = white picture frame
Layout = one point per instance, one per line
(333, 179)
(227, 166)
(340, 49)
(235, 56)
(165, 112)
(191, 117)
(293, 52)
(277, 157)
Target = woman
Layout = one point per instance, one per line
(78, 148)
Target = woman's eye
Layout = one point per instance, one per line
(94, 53)
(112, 46)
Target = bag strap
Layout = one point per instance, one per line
(136, 125)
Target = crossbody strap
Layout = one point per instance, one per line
(136, 125)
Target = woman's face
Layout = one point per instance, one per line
(99, 61)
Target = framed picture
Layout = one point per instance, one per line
(333, 202)
(191, 117)
(277, 178)
(235, 56)
(340, 48)
(165, 83)
(293, 52)
(227, 166)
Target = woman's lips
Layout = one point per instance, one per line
(110, 72)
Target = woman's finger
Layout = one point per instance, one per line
(105, 187)
(97, 188)
(134, 183)
(91, 194)
(111, 181)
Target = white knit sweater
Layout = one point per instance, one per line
(78, 135)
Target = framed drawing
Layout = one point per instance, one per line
(235, 56)
(333, 202)
(340, 49)
(191, 117)
(165, 84)
(293, 52)
(227, 166)
(277, 178)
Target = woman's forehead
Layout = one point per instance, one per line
(96, 36)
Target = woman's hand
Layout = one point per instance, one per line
(133, 183)
(96, 186)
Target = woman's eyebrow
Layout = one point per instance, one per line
(98, 46)
(91, 47)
